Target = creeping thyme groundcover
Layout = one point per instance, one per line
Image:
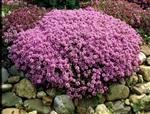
(77, 50)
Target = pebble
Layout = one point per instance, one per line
(25, 89)
(145, 72)
(63, 104)
(102, 109)
(148, 60)
(6, 87)
(142, 57)
(13, 79)
(118, 91)
(10, 111)
(41, 94)
(53, 112)
(5, 74)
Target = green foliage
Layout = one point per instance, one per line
(144, 35)
(60, 4)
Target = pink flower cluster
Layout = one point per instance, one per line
(21, 19)
(77, 50)
(10, 2)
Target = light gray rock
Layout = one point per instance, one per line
(148, 60)
(120, 108)
(10, 99)
(6, 87)
(141, 102)
(146, 50)
(145, 71)
(117, 91)
(142, 88)
(53, 112)
(5, 74)
(102, 109)
(142, 57)
(63, 104)
(41, 94)
(10, 111)
(90, 110)
(25, 89)
(36, 104)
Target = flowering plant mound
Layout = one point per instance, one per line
(21, 19)
(124, 10)
(77, 50)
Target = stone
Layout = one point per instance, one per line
(148, 60)
(85, 103)
(141, 102)
(117, 91)
(102, 109)
(146, 50)
(5, 74)
(63, 104)
(13, 79)
(6, 87)
(145, 72)
(10, 111)
(136, 98)
(33, 112)
(120, 108)
(141, 88)
(90, 110)
(140, 78)
(132, 80)
(41, 94)
(36, 104)
(47, 100)
(13, 71)
(142, 57)
(127, 102)
(25, 89)
(53, 112)
(10, 99)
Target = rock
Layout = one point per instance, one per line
(36, 104)
(141, 88)
(10, 111)
(127, 102)
(25, 89)
(85, 103)
(53, 112)
(146, 50)
(13, 71)
(146, 112)
(5, 75)
(47, 100)
(102, 109)
(63, 104)
(41, 94)
(148, 60)
(13, 79)
(132, 80)
(120, 108)
(6, 87)
(141, 102)
(142, 57)
(33, 112)
(136, 98)
(90, 110)
(10, 99)
(118, 91)
(145, 71)
(140, 78)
